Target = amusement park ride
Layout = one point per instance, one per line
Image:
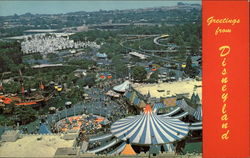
(34, 99)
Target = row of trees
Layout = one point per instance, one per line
(190, 70)
(10, 56)
(21, 115)
(93, 35)
(139, 73)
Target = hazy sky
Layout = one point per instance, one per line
(53, 7)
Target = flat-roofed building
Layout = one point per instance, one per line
(34, 146)
(169, 89)
(10, 136)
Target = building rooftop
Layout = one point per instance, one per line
(170, 88)
(10, 132)
(34, 146)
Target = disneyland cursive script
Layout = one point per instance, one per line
(224, 52)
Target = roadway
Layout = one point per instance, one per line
(150, 53)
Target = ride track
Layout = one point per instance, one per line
(149, 53)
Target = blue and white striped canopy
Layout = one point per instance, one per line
(171, 112)
(158, 106)
(195, 126)
(198, 113)
(179, 116)
(122, 87)
(149, 128)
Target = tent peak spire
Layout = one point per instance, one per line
(147, 109)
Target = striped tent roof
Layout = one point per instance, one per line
(179, 102)
(122, 87)
(195, 126)
(105, 146)
(171, 112)
(198, 113)
(149, 128)
(179, 116)
(118, 150)
(158, 106)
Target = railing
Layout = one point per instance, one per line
(172, 112)
(180, 115)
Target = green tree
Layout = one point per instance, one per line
(171, 74)
(83, 63)
(89, 80)
(24, 115)
(52, 57)
(139, 73)
(182, 48)
(154, 77)
(37, 56)
(195, 45)
(189, 70)
(119, 66)
(12, 87)
(10, 56)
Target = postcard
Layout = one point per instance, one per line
(124, 79)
